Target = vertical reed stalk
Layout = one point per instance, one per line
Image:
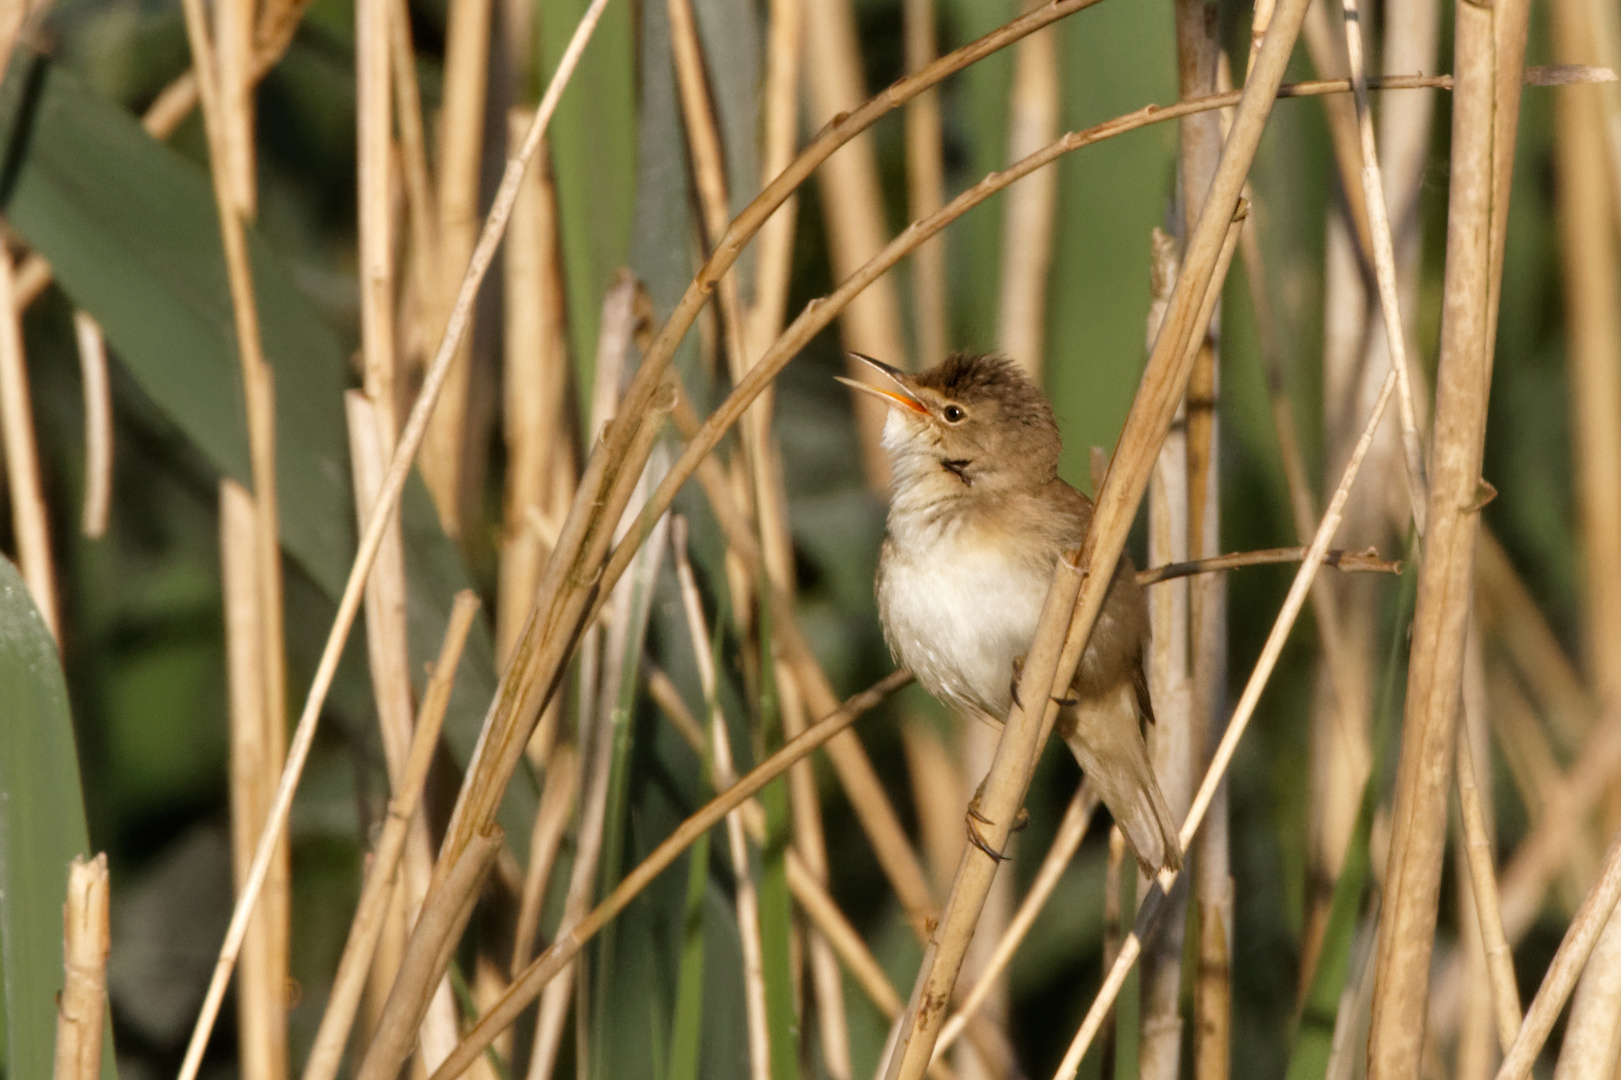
(260, 1003)
(30, 518)
(1483, 118)
(233, 31)
(856, 229)
(81, 1007)
(925, 185)
(536, 373)
(1027, 222)
(98, 425)
(461, 145)
(545, 840)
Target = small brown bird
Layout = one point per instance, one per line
(978, 518)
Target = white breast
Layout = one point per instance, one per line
(958, 614)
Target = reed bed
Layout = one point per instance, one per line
(669, 810)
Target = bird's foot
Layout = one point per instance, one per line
(1013, 687)
(976, 819)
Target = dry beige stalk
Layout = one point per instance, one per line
(1029, 209)
(925, 184)
(433, 940)
(444, 461)
(856, 229)
(371, 540)
(256, 748)
(30, 519)
(1485, 104)
(233, 32)
(384, 888)
(539, 450)
(1505, 993)
(81, 1007)
(551, 821)
(98, 425)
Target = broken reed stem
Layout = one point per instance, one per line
(1152, 905)
(1071, 831)
(371, 539)
(1384, 264)
(98, 425)
(433, 940)
(254, 746)
(1483, 879)
(1029, 209)
(532, 979)
(1483, 114)
(382, 881)
(925, 183)
(1363, 562)
(30, 518)
(1580, 937)
(461, 144)
(81, 1007)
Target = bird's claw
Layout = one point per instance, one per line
(1013, 687)
(977, 838)
(1066, 702)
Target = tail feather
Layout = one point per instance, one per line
(1106, 739)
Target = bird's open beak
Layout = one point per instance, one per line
(901, 395)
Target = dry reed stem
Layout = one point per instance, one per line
(373, 128)
(536, 374)
(1482, 151)
(433, 940)
(1580, 937)
(30, 518)
(419, 197)
(1384, 263)
(1029, 209)
(1483, 880)
(1350, 562)
(382, 882)
(545, 841)
(780, 134)
(938, 796)
(569, 942)
(1066, 842)
(925, 183)
(1589, 1049)
(1326, 47)
(461, 144)
(725, 775)
(856, 230)
(1152, 905)
(98, 425)
(233, 33)
(253, 767)
(387, 500)
(81, 1007)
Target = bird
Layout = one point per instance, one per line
(978, 518)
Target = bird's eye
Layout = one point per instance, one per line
(953, 413)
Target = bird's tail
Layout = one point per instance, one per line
(1106, 739)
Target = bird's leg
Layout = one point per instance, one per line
(976, 819)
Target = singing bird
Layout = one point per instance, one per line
(978, 518)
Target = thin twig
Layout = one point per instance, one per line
(1363, 562)
(1478, 847)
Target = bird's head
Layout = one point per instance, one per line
(974, 423)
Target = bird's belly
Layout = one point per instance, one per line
(958, 618)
